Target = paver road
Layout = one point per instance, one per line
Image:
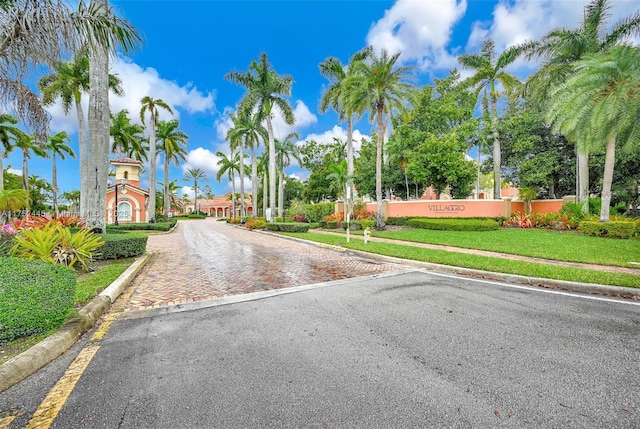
(209, 259)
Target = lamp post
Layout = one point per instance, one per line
(123, 181)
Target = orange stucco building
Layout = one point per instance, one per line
(132, 199)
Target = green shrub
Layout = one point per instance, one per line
(313, 225)
(288, 227)
(35, 296)
(256, 224)
(118, 246)
(367, 223)
(143, 226)
(449, 224)
(197, 216)
(614, 229)
(317, 212)
(399, 221)
(331, 224)
(354, 225)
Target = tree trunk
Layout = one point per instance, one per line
(233, 194)
(1, 171)
(496, 149)
(167, 199)
(254, 182)
(265, 192)
(151, 211)
(379, 214)
(583, 180)
(281, 194)
(99, 134)
(350, 156)
(607, 179)
(25, 170)
(83, 144)
(242, 213)
(54, 184)
(272, 170)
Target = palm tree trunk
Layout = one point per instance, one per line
(254, 182)
(583, 180)
(607, 179)
(265, 192)
(1, 171)
(83, 144)
(272, 170)
(281, 194)
(99, 120)
(167, 202)
(233, 195)
(496, 149)
(350, 157)
(151, 213)
(242, 213)
(379, 215)
(25, 170)
(54, 184)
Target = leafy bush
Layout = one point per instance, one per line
(614, 229)
(449, 224)
(354, 225)
(288, 227)
(35, 297)
(196, 216)
(142, 226)
(300, 218)
(55, 243)
(256, 224)
(118, 246)
(400, 220)
(360, 211)
(7, 234)
(367, 223)
(317, 212)
(331, 224)
(235, 221)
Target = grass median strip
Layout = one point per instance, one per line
(486, 263)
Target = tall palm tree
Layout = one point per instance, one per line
(265, 91)
(285, 151)
(195, 174)
(600, 102)
(27, 144)
(378, 85)
(127, 137)
(73, 198)
(489, 72)
(9, 133)
(172, 142)
(336, 96)
(57, 145)
(230, 165)
(36, 32)
(151, 105)
(562, 47)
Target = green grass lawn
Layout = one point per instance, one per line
(501, 265)
(562, 246)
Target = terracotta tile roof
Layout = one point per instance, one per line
(126, 161)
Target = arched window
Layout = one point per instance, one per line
(124, 211)
(126, 175)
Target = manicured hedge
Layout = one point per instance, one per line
(288, 227)
(5, 246)
(448, 224)
(35, 296)
(317, 212)
(160, 226)
(612, 229)
(404, 220)
(118, 246)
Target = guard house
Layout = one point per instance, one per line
(126, 193)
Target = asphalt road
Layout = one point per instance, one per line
(396, 350)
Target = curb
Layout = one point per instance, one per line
(31, 360)
(592, 288)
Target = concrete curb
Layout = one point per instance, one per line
(594, 288)
(30, 361)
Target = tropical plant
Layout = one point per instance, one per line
(8, 133)
(265, 91)
(172, 142)
(11, 201)
(151, 105)
(195, 174)
(527, 194)
(490, 71)
(58, 147)
(562, 47)
(27, 144)
(56, 243)
(379, 85)
(600, 102)
(285, 150)
(229, 165)
(127, 137)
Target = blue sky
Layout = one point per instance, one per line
(190, 45)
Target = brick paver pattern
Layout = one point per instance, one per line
(208, 259)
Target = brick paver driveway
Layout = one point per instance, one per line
(209, 259)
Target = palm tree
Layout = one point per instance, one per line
(150, 105)
(36, 32)
(285, 150)
(8, 133)
(174, 201)
(73, 198)
(600, 102)
(58, 147)
(336, 96)
(559, 49)
(195, 174)
(229, 165)
(380, 86)
(27, 144)
(490, 71)
(12, 200)
(339, 178)
(265, 91)
(127, 137)
(172, 142)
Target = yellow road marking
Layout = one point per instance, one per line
(6, 421)
(52, 405)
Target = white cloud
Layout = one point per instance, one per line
(15, 171)
(336, 132)
(204, 159)
(138, 82)
(188, 191)
(303, 118)
(420, 30)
